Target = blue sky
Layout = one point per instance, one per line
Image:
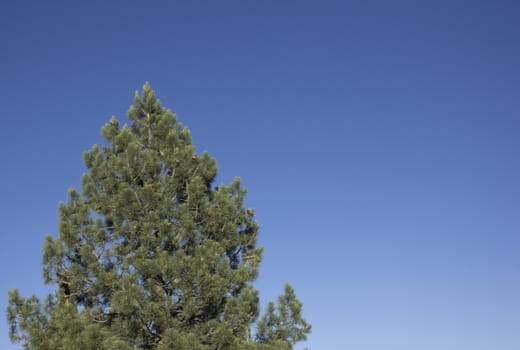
(379, 141)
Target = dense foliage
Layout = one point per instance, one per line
(150, 255)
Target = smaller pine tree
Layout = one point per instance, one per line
(284, 325)
(150, 255)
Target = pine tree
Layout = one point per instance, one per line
(150, 255)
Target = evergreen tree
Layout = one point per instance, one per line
(150, 255)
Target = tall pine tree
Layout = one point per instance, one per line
(150, 255)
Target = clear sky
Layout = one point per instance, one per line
(379, 141)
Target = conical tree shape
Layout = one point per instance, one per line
(149, 255)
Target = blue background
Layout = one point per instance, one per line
(379, 141)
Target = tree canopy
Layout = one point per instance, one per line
(151, 254)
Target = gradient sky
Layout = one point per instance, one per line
(379, 141)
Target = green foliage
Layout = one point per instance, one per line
(150, 255)
(283, 326)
